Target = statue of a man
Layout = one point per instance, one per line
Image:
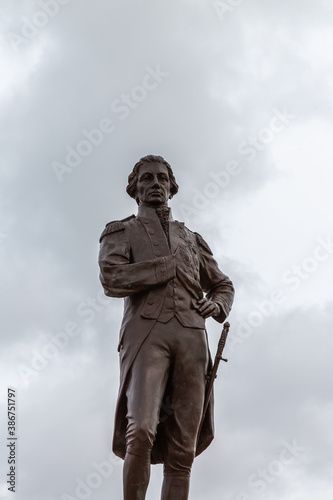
(170, 283)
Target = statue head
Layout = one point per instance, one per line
(164, 183)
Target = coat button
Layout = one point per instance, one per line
(150, 301)
(151, 231)
(147, 313)
(158, 253)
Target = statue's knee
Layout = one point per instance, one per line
(140, 437)
(179, 464)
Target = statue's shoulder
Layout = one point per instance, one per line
(202, 243)
(115, 226)
(194, 237)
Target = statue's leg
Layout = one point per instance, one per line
(146, 386)
(136, 474)
(187, 398)
(175, 488)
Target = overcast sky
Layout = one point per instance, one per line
(237, 96)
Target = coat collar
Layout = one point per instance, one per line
(149, 213)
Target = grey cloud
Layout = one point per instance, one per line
(224, 80)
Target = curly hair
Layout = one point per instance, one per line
(133, 176)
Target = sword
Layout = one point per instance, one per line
(213, 374)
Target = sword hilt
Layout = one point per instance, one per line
(223, 340)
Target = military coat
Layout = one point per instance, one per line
(158, 279)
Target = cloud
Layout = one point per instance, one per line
(256, 187)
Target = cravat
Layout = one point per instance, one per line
(163, 214)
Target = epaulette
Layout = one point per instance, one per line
(203, 243)
(115, 226)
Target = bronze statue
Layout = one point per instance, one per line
(170, 283)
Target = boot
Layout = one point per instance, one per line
(136, 475)
(175, 488)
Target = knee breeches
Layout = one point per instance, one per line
(165, 395)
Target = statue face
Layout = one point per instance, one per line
(153, 185)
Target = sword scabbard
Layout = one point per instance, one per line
(213, 374)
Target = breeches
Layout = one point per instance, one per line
(165, 395)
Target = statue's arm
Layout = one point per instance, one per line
(217, 286)
(120, 277)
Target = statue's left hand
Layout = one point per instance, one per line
(207, 308)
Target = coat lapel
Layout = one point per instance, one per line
(150, 221)
(174, 231)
